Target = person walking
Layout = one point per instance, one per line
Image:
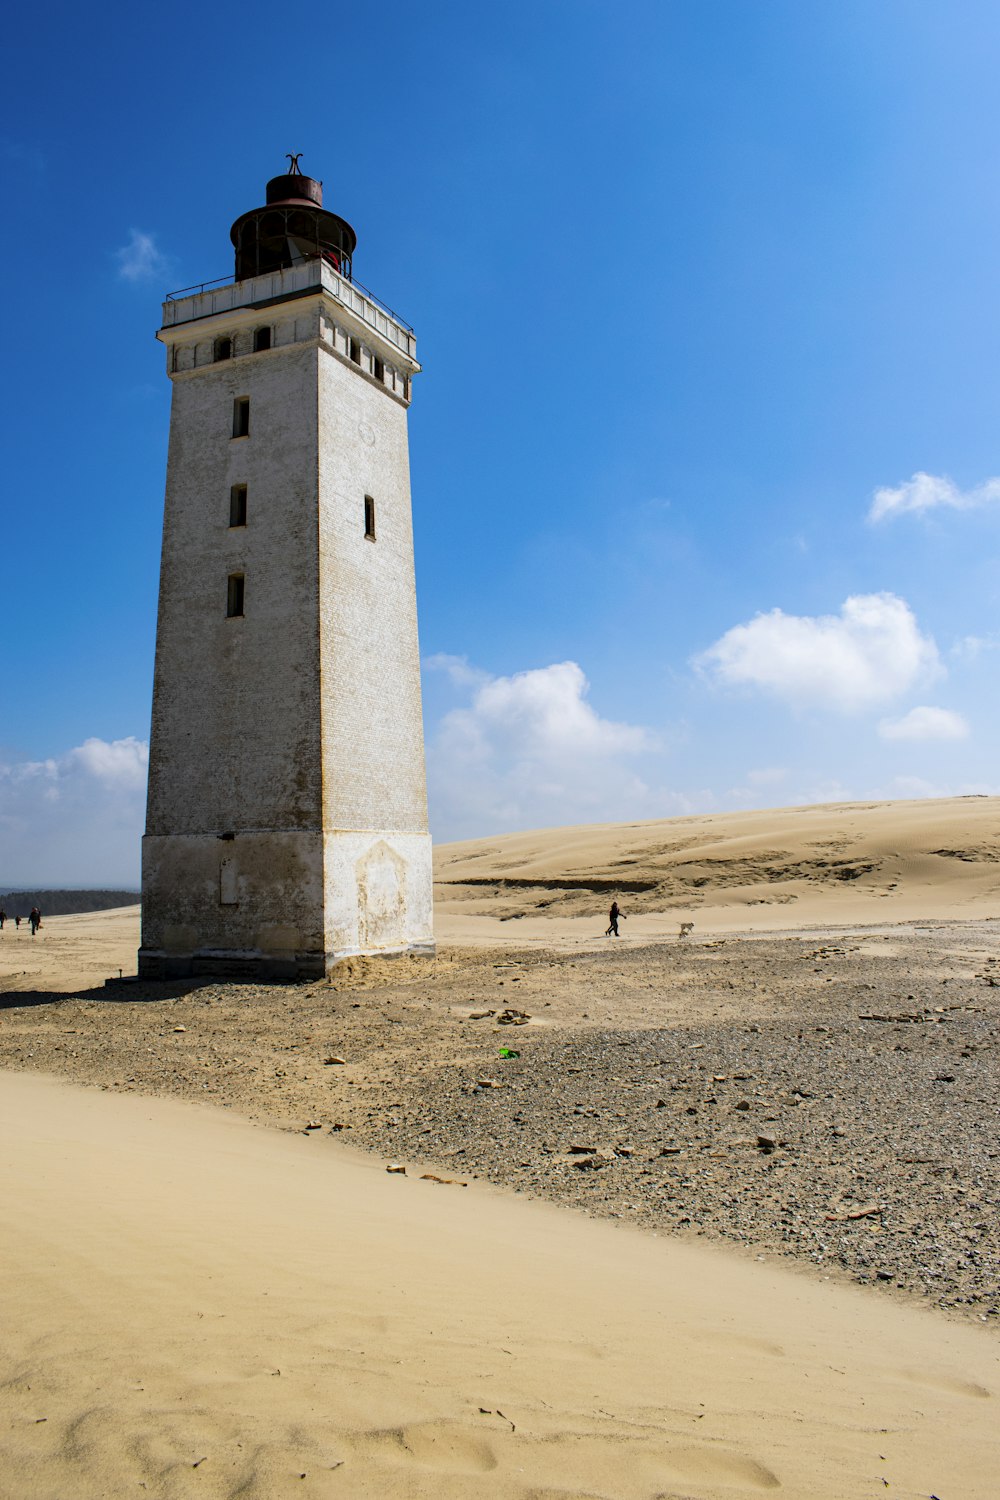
(35, 918)
(3, 918)
(613, 916)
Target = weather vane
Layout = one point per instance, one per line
(294, 170)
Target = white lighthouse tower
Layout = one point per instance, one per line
(287, 812)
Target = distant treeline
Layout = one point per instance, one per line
(64, 903)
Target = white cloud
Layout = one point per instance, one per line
(121, 763)
(544, 712)
(868, 654)
(74, 819)
(140, 259)
(929, 492)
(925, 724)
(530, 751)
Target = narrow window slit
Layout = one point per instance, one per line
(234, 601)
(238, 505)
(369, 518)
(241, 417)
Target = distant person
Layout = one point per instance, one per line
(613, 916)
(35, 918)
(3, 918)
(17, 921)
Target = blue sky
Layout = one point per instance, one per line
(693, 282)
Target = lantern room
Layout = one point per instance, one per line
(292, 227)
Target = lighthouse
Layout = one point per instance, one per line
(286, 824)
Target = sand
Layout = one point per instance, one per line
(780, 869)
(193, 1304)
(74, 952)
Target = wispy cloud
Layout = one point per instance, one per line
(74, 818)
(916, 786)
(758, 787)
(867, 655)
(972, 647)
(925, 723)
(457, 669)
(926, 492)
(767, 776)
(141, 259)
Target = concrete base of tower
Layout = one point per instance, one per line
(221, 964)
(261, 968)
(282, 906)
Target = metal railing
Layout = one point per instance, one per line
(196, 291)
(220, 281)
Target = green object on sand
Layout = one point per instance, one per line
(507, 1052)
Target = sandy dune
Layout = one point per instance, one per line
(786, 868)
(193, 1306)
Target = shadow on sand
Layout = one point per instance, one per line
(115, 992)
